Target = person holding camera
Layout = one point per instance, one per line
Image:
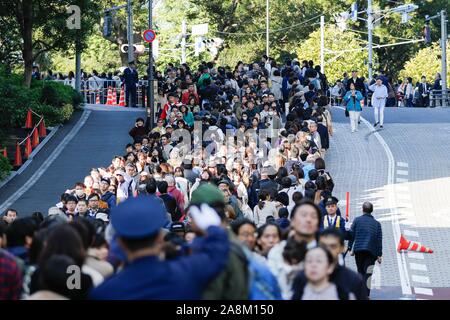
(353, 98)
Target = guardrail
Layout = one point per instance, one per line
(439, 98)
(96, 91)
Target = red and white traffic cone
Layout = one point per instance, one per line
(405, 244)
(35, 141)
(18, 157)
(42, 129)
(114, 97)
(122, 98)
(29, 120)
(97, 99)
(109, 100)
(28, 148)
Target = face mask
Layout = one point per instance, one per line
(79, 193)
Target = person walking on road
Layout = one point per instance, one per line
(366, 243)
(379, 96)
(353, 98)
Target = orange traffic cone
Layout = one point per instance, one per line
(109, 100)
(405, 244)
(18, 157)
(114, 97)
(29, 120)
(35, 141)
(122, 98)
(28, 148)
(42, 129)
(5, 152)
(97, 99)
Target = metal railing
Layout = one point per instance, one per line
(439, 98)
(96, 91)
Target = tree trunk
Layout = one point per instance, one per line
(27, 36)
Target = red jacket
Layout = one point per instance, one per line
(179, 197)
(185, 97)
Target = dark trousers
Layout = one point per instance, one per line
(130, 93)
(365, 259)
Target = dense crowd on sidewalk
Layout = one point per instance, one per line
(227, 197)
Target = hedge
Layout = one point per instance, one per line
(5, 167)
(53, 100)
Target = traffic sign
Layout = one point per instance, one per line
(149, 35)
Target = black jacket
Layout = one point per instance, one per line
(359, 85)
(345, 279)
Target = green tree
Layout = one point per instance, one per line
(42, 26)
(341, 61)
(426, 62)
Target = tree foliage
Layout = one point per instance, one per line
(426, 62)
(336, 63)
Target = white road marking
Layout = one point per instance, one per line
(401, 180)
(410, 233)
(54, 155)
(402, 172)
(401, 259)
(401, 188)
(403, 196)
(421, 279)
(402, 164)
(418, 267)
(424, 291)
(416, 255)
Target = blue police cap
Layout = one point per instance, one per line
(138, 217)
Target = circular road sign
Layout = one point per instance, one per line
(149, 35)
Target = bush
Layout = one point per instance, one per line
(5, 167)
(48, 98)
(66, 112)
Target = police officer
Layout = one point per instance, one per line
(137, 223)
(131, 79)
(331, 219)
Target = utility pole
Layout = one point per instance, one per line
(183, 41)
(267, 27)
(151, 93)
(130, 31)
(370, 30)
(322, 44)
(444, 55)
(78, 63)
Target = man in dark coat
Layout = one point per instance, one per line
(131, 80)
(358, 82)
(365, 243)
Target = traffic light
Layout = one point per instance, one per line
(137, 48)
(107, 25)
(427, 34)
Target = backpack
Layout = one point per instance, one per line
(262, 283)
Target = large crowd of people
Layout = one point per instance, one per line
(227, 197)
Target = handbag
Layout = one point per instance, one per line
(347, 114)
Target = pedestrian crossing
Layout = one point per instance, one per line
(416, 260)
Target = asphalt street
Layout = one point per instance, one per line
(404, 170)
(103, 135)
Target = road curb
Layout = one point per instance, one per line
(13, 174)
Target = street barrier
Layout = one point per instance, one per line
(439, 98)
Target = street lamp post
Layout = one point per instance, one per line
(370, 41)
(150, 96)
(130, 31)
(444, 55)
(267, 27)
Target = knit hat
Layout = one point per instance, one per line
(207, 193)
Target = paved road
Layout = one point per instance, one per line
(404, 170)
(103, 134)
